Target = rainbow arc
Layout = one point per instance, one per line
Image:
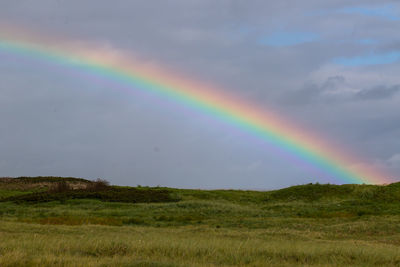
(333, 162)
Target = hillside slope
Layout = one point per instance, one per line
(49, 222)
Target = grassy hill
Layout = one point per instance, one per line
(53, 221)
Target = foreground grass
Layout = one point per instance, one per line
(92, 245)
(311, 225)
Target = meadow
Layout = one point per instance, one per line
(51, 221)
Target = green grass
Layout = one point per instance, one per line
(111, 194)
(6, 193)
(308, 225)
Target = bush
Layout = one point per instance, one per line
(59, 187)
(98, 185)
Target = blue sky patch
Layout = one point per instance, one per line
(386, 11)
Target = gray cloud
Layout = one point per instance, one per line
(335, 89)
(327, 91)
(377, 93)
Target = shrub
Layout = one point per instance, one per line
(59, 187)
(98, 185)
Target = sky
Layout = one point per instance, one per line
(331, 67)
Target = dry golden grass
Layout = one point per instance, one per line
(24, 244)
(15, 184)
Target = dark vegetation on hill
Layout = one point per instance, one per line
(328, 192)
(61, 189)
(41, 179)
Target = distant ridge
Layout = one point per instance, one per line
(307, 192)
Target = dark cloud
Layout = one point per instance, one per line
(315, 93)
(377, 93)
(335, 89)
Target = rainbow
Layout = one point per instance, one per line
(336, 164)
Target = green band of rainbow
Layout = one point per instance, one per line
(337, 164)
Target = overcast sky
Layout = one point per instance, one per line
(331, 66)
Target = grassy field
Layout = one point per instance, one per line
(87, 225)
